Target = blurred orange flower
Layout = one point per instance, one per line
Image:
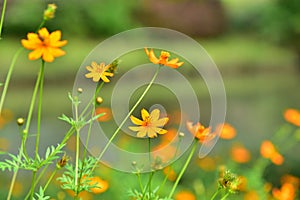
(150, 124)
(251, 195)
(165, 155)
(240, 154)
(292, 116)
(44, 45)
(101, 185)
(200, 132)
(268, 150)
(207, 163)
(5, 117)
(98, 72)
(287, 178)
(286, 192)
(163, 59)
(185, 195)
(106, 117)
(227, 132)
(170, 173)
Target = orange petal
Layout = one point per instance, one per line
(47, 56)
(56, 52)
(37, 53)
(43, 32)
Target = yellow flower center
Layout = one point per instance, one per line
(146, 122)
(164, 55)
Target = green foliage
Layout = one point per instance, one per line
(41, 195)
(84, 173)
(134, 194)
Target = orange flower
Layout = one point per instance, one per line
(163, 59)
(292, 116)
(240, 154)
(106, 117)
(44, 45)
(286, 192)
(290, 179)
(207, 163)
(100, 185)
(227, 132)
(165, 155)
(98, 72)
(170, 173)
(200, 132)
(267, 150)
(185, 195)
(251, 195)
(150, 125)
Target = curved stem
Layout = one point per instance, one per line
(184, 168)
(2, 18)
(50, 179)
(8, 77)
(32, 185)
(225, 196)
(77, 151)
(128, 115)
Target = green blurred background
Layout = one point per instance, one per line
(254, 43)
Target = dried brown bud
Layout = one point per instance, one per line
(62, 162)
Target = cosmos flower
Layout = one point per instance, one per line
(98, 72)
(163, 59)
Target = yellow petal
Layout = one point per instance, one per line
(160, 122)
(104, 78)
(37, 53)
(154, 115)
(89, 75)
(142, 133)
(43, 32)
(47, 56)
(56, 52)
(135, 128)
(145, 114)
(151, 133)
(135, 120)
(96, 77)
(55, 36)
(151, 56)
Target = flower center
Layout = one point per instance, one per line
(164, 55)
(147, 122)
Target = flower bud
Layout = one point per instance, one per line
(99, 100)
(50, 11)
(20, 121)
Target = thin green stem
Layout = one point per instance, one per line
(140, 181)
(39, 110)
(2, 18)
(148, 185)
(184, 168)
(215, 194)
(128, 115)
(50, 179)
(77, 150)
(8, 77)
(32, 184)
(150, 175)
(225, 196)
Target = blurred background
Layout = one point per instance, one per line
(254, 43)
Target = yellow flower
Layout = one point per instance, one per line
(98, 72)
(163, 59)
(150, 124)
(44, 45)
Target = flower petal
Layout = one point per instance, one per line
(136, 121)
(154, 115)
(43, 32)
(47, 56)
(160, 122)
(142, 133)
(37, 53)
(145, 114)
(135, 128)
(56, 52)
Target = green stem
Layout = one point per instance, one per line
(2, 18)
(77, 151)
(184, 168)
(50, 179)
(8, 77)
(39, 110)
(32, 185)
(150, 175)
(127, 116)
(148, 185)
(139, 180)
(225, 196)
(215, 194)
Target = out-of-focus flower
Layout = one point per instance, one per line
(150, 124)
(164, 152)
(4, 144)
(170, 173)
(227, 132)
(50, 11)
(292, 116)
(98, 72)
(163, 59)
(100, 185)
(5, 117)
(268, 150)
(228, 180)
(185, 195)
(207, 163)
(200, 132)
(18, 189)
(286, 192)
(106, 117)
(44, 45)
(287, 178)
(251, 195)
(240, 154)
